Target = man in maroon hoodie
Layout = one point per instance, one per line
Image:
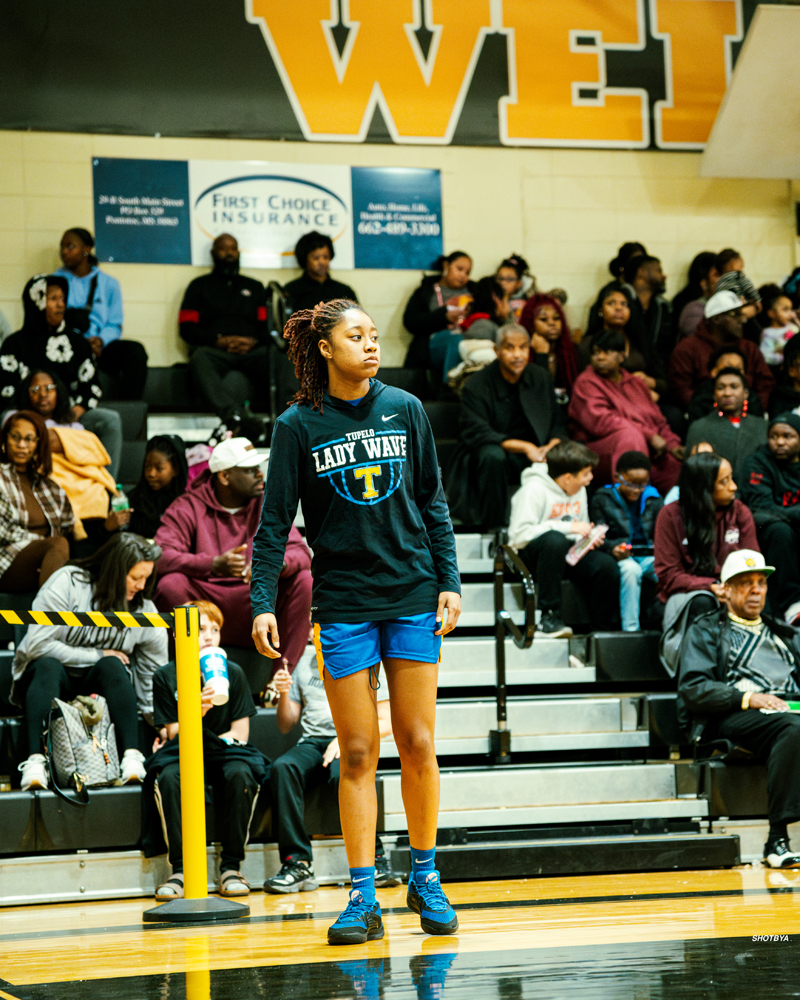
(206, 536)
(723, 322)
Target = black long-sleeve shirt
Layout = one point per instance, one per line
(218, 305)
(375, 513)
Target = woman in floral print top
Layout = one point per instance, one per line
(45, 341)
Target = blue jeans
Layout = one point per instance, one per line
(443, 348)
(631, 571)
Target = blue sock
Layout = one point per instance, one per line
(363, 879)
(422, 862)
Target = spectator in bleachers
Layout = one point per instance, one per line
(35, 515)
(163, 480)
(651, 313)
(738, 667)
(473, 339)
(95, 312)
(80, 462)
(786, 396)
(628, 250)
(64, 661)
(689, 304)
(440, 303)
(725, 356)
(509, 418)
(313, 761)
(771, 489)
(45, 393)
(738, 283)
(722, 325)
(223, 319)
(549, 514)
(729, 260)
(731, 430)
(782, 323)
(511, 275)
(629, 506)
(207, 538)
(694, 537)
(234, 767)
(47, 343)
(314, 253)
(612, 411)
(701, 446)
(552, 347)
(615, 312)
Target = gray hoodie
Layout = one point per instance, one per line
(541, 505)
(78, 648)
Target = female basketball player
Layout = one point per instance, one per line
(359, 455)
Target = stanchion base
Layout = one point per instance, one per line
(185, 911)
(500, 746)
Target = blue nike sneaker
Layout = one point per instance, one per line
(427, 899)
(360, 922)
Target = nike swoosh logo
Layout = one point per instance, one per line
(357, 880)
(384, 419)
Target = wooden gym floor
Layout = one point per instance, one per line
(701, 934)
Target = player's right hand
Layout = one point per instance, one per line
(265, 635)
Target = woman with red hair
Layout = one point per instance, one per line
(551, 341)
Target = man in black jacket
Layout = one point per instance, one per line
(509, 419)
(739, 678)
(223, 319)
(770, 487)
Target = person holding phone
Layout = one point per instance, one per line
(360, 458)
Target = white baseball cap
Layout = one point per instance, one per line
(235, 453)
(744, 561)
(722, 302)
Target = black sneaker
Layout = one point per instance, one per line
(778, 854)
(427, 898)
(385, 878)
(360, 921)
(552, 624)
(294, 876)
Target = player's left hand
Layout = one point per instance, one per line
(452, 603)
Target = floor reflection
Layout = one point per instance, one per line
(704, 969)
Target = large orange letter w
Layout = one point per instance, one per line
(381, 62)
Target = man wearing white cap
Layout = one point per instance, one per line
(739, 680)
(722, 324)
(207, 540)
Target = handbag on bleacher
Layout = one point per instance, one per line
(81, 746)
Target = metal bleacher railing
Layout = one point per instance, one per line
(504, 555)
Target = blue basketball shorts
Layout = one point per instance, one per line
(347, 648)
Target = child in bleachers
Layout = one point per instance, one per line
(783, 323)
(629, 506)
(549, 513)
(229, 762)
(163, 479)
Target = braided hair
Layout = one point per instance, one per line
(303, 330)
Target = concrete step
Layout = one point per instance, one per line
(474, 553)
(549, 794)
(470, 662)
(548, 723)
(477, 604)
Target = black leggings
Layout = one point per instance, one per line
(46, 678)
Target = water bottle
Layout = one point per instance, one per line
(120, 502)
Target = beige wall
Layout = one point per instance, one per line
(566, 211)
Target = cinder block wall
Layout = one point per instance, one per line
(566, 211)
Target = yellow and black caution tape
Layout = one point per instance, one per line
(100, 619)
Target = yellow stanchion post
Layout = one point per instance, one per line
(196, 905)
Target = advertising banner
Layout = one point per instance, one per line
(170, 212)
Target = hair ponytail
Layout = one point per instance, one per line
(304, 330)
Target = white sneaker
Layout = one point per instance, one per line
(132, 767)
(34, 772)
(793, 613)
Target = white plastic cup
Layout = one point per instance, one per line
(214, 667)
